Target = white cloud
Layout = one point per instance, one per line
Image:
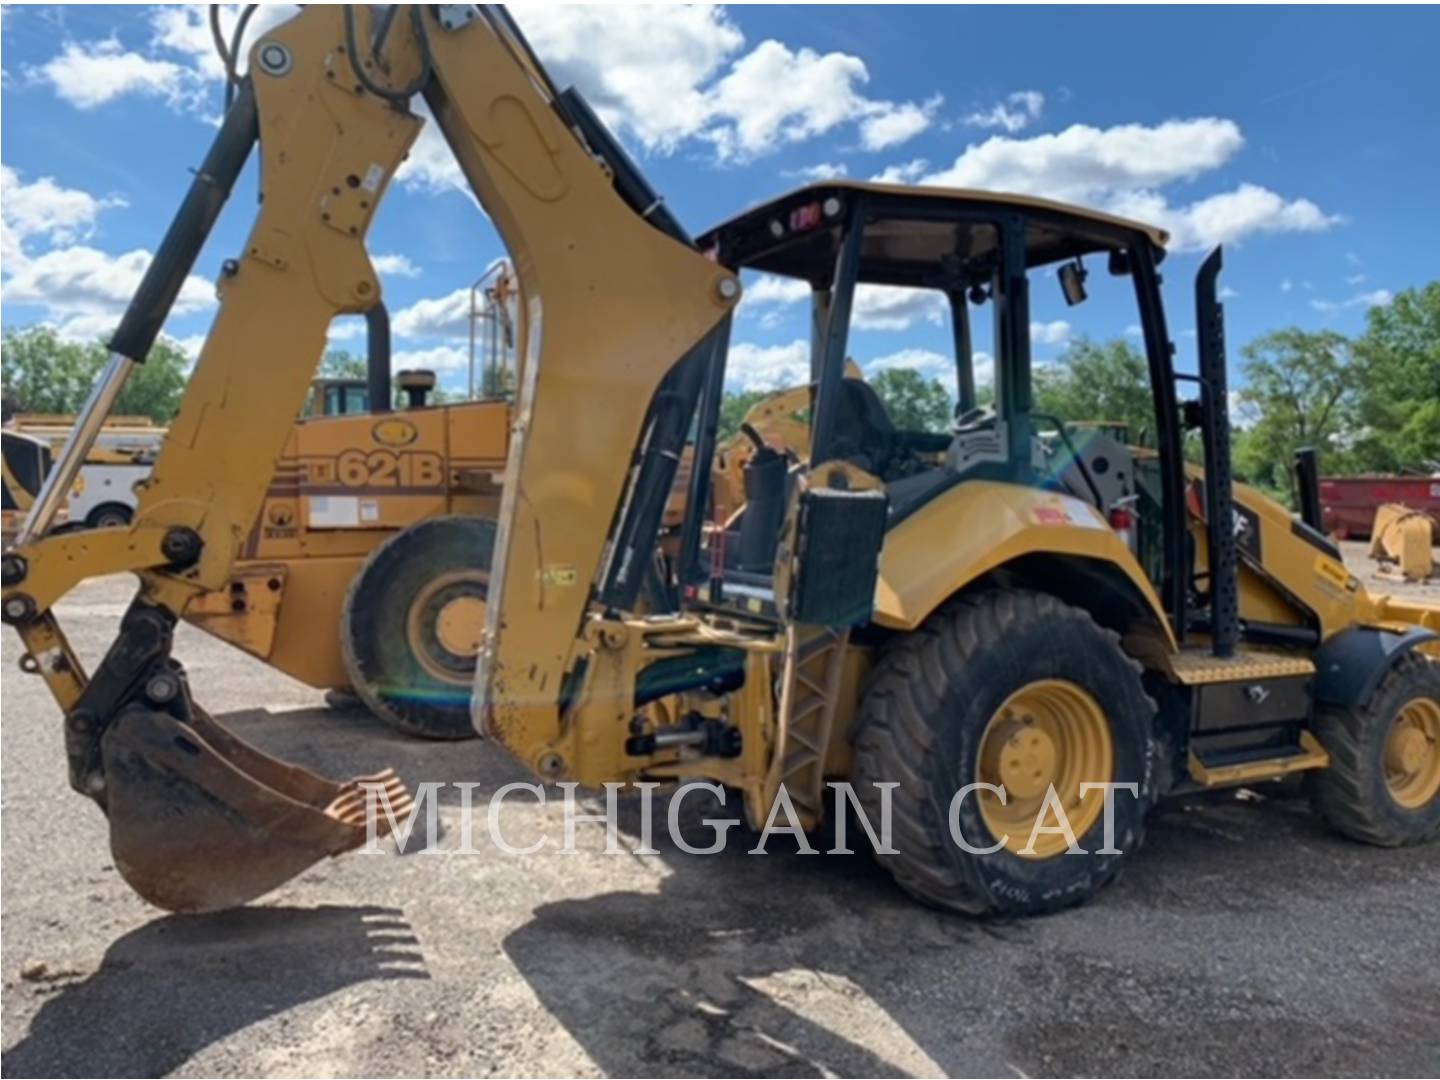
(441, 316)
(641, 68)
(1225, 218)
(185, 29)
(179, 64)
(774, 289)
(84, 291)
(44, 210)
(429, 166)
(1015, 113)
(926, 363)
(659, 74)
(98, 72)
(894, 307)
(1227, 293)
(1083, 163)
(929, 364)
(905, 173)
(1286, 285)
(442, 358)
(395, 265)
(825, 170)
(1050, 333)
(876, 307)
(767, 367)
(1355, 279)
(190, 345)
(1376, 298)
(890, 125)
(1120, 169)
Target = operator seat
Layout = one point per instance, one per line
(864, 432)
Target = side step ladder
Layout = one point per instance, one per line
(809, 694)
(1225, 770)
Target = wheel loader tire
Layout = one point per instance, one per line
(1005, 681)
(1383, 783)
(411, 624)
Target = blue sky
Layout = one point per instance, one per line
(1306, 139)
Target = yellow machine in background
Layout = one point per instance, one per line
(366, 567)
(27, 462)
(1403, 541)
(985, 630)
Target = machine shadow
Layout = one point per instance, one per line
(174, 986)
(741, 965)
(717, 972)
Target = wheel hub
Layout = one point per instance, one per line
(1412, 754)
(446, 624)
(1027, 762)
(461, 624)
(1048, 734)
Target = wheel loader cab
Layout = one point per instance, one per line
(971, 260)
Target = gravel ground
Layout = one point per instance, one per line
(1243, 940)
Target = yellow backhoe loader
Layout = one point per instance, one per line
(982, 630)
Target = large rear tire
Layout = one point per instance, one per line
(1017, 689)
(412, 623)
(1383, 783)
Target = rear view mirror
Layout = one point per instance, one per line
(1072, 282)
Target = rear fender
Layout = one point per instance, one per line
(979, 527)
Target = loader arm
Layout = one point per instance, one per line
(198, 819)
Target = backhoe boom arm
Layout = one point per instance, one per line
(330, 107)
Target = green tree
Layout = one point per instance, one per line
(44, 374)
(1300, 390)
(1399, 408)
(733, 407)
(1097, 381)
(914, 402)
(342, 364)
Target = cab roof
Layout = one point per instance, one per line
(906, 245)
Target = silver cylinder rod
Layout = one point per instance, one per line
(56, 488)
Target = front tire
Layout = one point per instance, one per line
(1020, 688)
(412, 621)
(1383, 783)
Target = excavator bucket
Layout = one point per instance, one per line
(200, 820)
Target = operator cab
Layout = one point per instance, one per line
(961, 266)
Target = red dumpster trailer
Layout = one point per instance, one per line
(1350, 502)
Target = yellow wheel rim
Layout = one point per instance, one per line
(1412, 754)
(446, 624)
(1049, 733)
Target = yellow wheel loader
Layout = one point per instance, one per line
(1006, 637)
(365, 570)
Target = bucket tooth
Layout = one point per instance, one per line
(200, 820)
